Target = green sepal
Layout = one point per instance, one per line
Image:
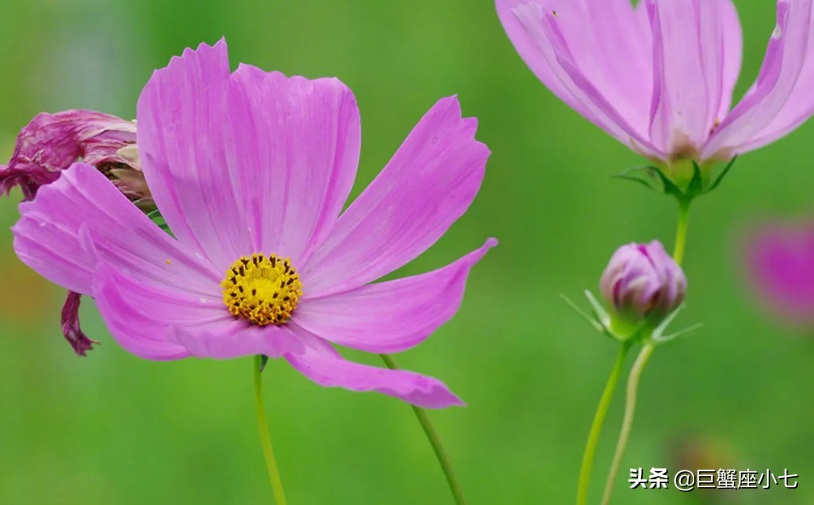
(696, 186)
(659, 338)
(263, 360)
(650, 176)
(723, 174)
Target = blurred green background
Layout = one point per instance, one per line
(114, 429)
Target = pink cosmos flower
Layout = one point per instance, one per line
(659, 77)
(780, 264)
(251, 171)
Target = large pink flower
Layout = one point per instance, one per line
(251, 171)
(659, 76)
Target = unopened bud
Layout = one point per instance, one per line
(642, 283)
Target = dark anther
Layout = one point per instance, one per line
(254, 292)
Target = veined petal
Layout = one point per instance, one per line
(82, 218)
(768, 112)
(545, 27)
(138, 334)
(391, 316)
(162, 322)
(320, 362)
(528, 50)
(799, 105)
(183, 132)
(733, 54)
(427, 185)
(297, 145)
(688, 49)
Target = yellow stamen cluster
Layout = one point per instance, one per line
(262, 289)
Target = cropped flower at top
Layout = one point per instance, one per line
(659, 76)
(251, 171)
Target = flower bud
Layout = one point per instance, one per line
(642, 282)
(51, 143)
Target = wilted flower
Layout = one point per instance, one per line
(780, 263)
(251, 171)
(642, 282)
(50, 143)
(659, 76)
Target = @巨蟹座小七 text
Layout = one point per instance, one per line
(688, 480)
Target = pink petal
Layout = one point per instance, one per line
(297, 145)
(688, 50)
(768, 112)
(799, 106)
(183, 132)
(557, 28)
(82, 218)
(320, 362)
(780, 262)
(161, 322)
(391, 316)
(426, 186)
(733, 54)
(137, 333)
(534, 57)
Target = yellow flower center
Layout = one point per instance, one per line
(262, 289)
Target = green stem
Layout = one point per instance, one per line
(435, 441)
(265, 438)
(627, 423)
(681, 230)
(641, 361)
(596, 427)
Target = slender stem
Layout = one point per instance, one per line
(641, 361)
(435, 442)
(681, 231)
(627, 423)
(596, 427)
(265, 438)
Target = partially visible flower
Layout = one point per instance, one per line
(251, 171)
(642, 282)
(659, 76)
(780, 264)
(50, 143)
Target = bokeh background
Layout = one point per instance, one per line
(114, 429)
